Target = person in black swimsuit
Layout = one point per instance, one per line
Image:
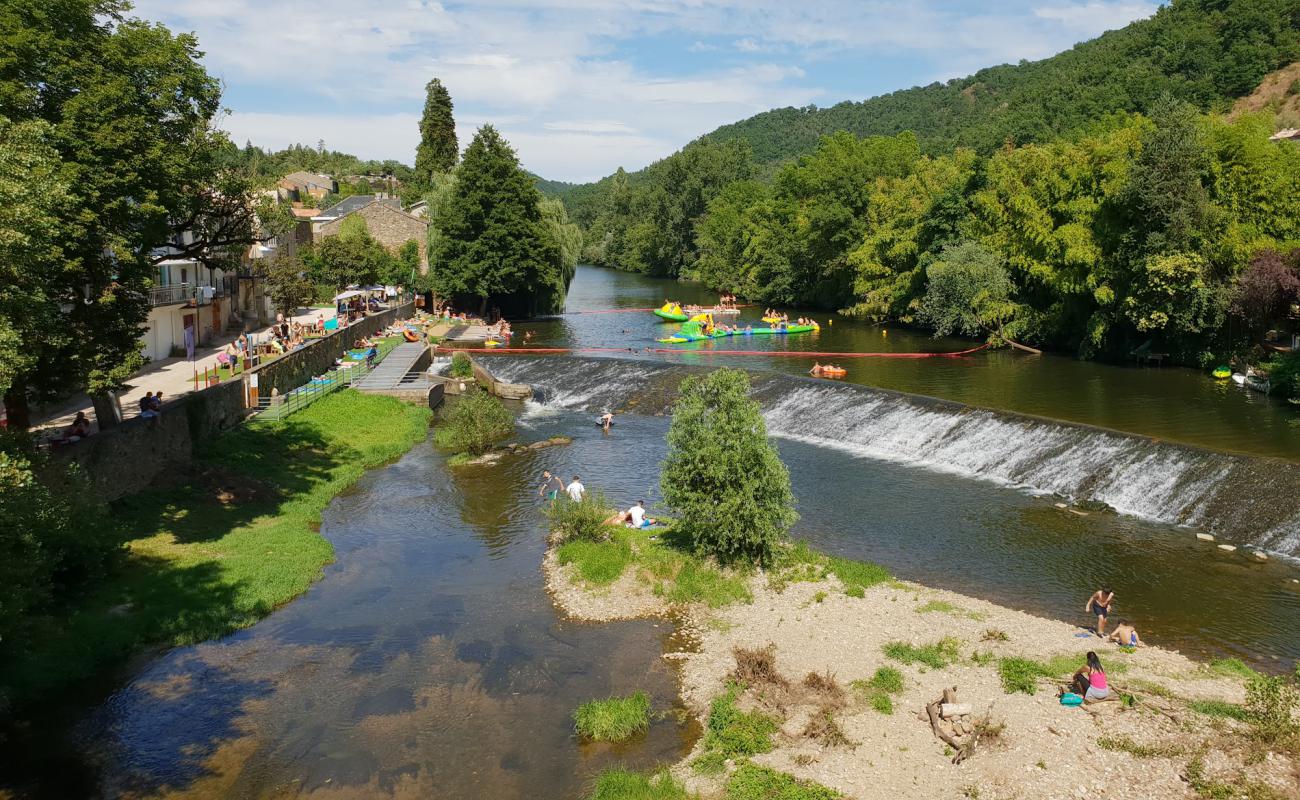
(1099, 604)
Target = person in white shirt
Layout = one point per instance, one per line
(576, 490)
(636, 516)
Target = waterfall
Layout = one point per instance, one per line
(1249, 501)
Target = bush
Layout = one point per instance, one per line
(613, 720)
(474, 423)
(461, 366)
(723, 478)
(583, 520)
(53, 538)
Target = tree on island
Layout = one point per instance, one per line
(438, 145)
(492, 242)
(722, 477)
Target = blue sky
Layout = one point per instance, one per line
(581, 87)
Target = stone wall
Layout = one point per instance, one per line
(389, 226)
(293, 370)
(130, 457)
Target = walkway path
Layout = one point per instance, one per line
(174, 377)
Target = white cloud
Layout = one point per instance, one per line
(567, 82)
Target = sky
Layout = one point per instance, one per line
(581, 87)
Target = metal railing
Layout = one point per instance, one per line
(169, 295)
(274, 408)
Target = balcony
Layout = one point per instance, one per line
(181, 294)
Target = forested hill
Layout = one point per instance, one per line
(1093, 201)
(1206, 52)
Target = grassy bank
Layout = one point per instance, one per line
(234, 539)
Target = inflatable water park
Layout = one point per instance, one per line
(701, 327)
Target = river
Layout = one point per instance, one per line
(429, 661)
(1173, 403)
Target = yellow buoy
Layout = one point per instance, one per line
(884, 332)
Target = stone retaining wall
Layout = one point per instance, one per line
(131, 456)
(293, 370)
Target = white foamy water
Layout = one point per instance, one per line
(1252, 501)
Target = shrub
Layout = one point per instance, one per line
(937, 655)
(613, 720)
(723, 478)
(474, 423)
(461, 366)
(53, 538)
(583, 520)
(621, 784)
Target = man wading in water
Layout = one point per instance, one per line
(551, 486)
(1099, 604)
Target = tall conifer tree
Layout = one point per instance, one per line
(438, 146)
(493, 243)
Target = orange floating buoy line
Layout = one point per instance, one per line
(753, 353)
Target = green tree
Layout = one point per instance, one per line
(473, 423)
(129, 111)
(287, 283)
(1170, 202)
(351, 257)
(492, 243)
(722, 477)
(968, 292)
(438, 147)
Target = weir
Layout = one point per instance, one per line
(1246, 500)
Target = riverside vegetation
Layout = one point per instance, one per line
(228, 543)
(472, 423)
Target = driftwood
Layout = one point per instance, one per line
(1023, 347)
(946, 732)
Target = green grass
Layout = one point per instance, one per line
(613, 720)
(1125, 744)
(752, 782)
(195, 568)
(1022, 674)
(731, 733)
(1231, 668)
(621, 784)
(597, 563)
(944, 607)
(937, 655)
(800, 563)
(877, 691)
(1218, 708)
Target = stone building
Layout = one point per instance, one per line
(387, 222)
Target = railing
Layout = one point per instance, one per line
(170, 295)
(273, 408)
(182, 293)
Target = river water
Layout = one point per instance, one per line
(1171, 403)
(429, 661)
